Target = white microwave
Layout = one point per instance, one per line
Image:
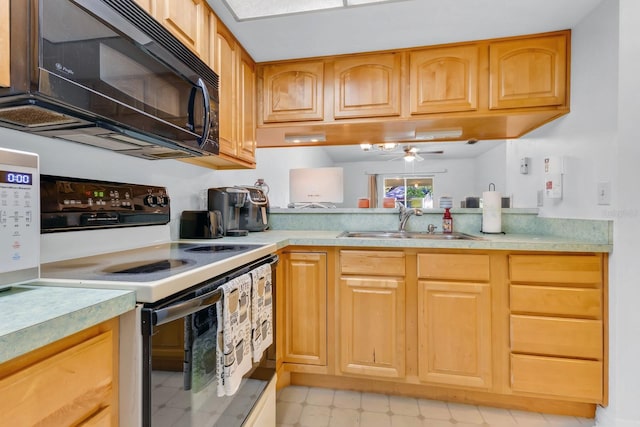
(19, 217)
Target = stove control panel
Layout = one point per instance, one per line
(80, 204)
(19, 216)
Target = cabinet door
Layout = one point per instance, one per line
(528, 72)
(444, 80)
(64, 389)
(293, 91)
(187, 20)
(226, 65)
(454, 333)
(305, 308)
(247, 108)
(367, 86)
(372, 326)
(4, 44)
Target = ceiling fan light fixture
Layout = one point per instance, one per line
(409, 156)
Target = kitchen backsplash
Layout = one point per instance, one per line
(514, 221)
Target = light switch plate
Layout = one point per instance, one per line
(604, 193)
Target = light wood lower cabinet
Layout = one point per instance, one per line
(454, 333)
(454, 319)
(372, 330)
(305, 307)
(71, 382)
(372, 313)
(524, 330)
(558, 334)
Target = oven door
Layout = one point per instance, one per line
(180, 374)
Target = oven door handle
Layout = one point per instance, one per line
(184, 308)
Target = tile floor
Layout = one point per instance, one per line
(318, 407)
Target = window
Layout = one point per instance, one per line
(415, 192)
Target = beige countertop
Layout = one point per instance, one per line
(523, 242)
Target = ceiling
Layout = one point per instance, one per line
(396, 25)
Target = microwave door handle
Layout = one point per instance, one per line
(191, 125)
(206, 129)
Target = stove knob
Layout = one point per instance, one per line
(163, 200)
(151, 200)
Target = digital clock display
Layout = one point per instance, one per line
(12, 177)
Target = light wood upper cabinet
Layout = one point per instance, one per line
(225, 64)
(305, 307)
(454, 320)
(247, 108)
(528, 72)
(4, 44)
(147, 5)
(293, 91)
(70, 382)
(486, 89)
(367, 85)
(187, 20)
(444, 80)
(372, 314)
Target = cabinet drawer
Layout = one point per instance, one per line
(578, 379)
(556, 301)
(454, 266)
(556, 336)
(372, 263)
(62, 389)
(582, 269)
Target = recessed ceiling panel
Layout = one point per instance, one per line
(255, 9)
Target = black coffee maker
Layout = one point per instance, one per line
(254, 213)
(229, 201)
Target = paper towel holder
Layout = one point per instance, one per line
(481, 228)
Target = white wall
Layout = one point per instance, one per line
(586, 136)
(599, 142)
(490, 167)
(624, 293)
(273, 166)
(186, 185)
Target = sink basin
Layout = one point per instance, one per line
(408, 235)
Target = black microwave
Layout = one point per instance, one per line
(105, 73)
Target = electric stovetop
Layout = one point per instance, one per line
(153, 272)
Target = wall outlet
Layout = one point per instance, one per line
(524, 165)
(604, 193)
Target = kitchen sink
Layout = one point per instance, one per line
(408, 235)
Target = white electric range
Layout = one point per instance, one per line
(176, 283)
(154, 272)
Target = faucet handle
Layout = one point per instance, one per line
(431, 228)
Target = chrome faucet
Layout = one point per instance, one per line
(404, 215)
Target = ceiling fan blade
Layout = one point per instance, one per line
(430, 152)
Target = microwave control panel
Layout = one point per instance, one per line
(19, 213)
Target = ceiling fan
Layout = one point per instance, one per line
(412, 154)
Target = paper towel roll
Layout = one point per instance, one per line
(491, 212)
